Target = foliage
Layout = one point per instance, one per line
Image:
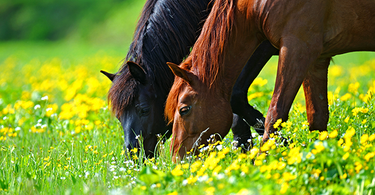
(57, 136)
(92, 20)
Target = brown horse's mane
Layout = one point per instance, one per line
(206, 59)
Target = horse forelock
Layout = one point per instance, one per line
(122, 92)
(207, 55)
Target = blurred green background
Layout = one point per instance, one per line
(75, 29)
(110, 21)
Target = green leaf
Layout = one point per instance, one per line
(151, 176)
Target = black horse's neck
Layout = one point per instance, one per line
(165, 32)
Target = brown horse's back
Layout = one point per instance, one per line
(344, 25)
(350, 27)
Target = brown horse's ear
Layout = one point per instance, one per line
(137, 71)
(179, 72)
(109, 75)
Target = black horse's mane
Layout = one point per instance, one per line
(165, 32)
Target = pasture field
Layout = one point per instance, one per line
(58, 136)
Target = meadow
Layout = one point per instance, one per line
(58, 136)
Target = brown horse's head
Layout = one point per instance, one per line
(196, 112)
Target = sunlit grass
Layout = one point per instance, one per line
(57, 136)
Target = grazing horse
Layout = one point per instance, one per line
(166, 31)
(308, 34)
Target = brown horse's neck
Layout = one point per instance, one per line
(242, 42)
(228, 39)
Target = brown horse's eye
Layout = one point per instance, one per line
(184, 110)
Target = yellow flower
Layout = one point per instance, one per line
(263, 168)
(346, 97)
(134, 150)
(333, 134)
(305, 124)
(364, 138)
(346, 156)
(369, 155)
(281, 165)
(288, 176)
(98, 163)
(221, 154)
(267, 146)
(294, 156)
(243, 191)
(185, 166)
(308, 155)
(51, 109)
(349, 133)
(277, 124)
(211, 161)
(284, 188)
(191, 179)
(339, 143)
(173, 193)
(347, 119)
(194, 167)
(323, 135)
(253, 152)
(353, 87)
(371, 138)
(358, 166)
(8, 110)
(255, 95)
(344, 176)
(316, 172)
(210, 190)
(359, 110)
(258, 162)
(318, 148)
(233, 166)
(335, 70)
(216, 170)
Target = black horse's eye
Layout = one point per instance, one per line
(184, 110)
(144, 111)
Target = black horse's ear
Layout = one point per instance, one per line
(109, 75)
(180, 72)
(137, 71)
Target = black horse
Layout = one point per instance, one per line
(165, 32)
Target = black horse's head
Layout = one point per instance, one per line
(139, 106)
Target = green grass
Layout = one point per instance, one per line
(57, 135)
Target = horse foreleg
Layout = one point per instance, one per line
(239, 101)
(315, 88)
(241, 133)
(295, 58)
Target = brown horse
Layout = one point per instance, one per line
(308, 34)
